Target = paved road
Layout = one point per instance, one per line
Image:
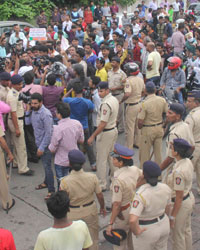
(30, 215)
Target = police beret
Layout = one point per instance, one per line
(103, 85)
(181, 143)
(151, 169)
(5, 76)
(150, 86)
(117, 236)
(76, 156)
(116, 59)
(16, 79)
(122, 151)
(177, 108)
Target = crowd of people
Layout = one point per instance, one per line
(96, 76)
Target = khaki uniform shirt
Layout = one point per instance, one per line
(115, 80)
(81, 187)
(150, 202)
(124, 184)
(152, 109)
(193, 120)
(1, 132)
(179, 130)
(181, 177)
(16, 106)
(108, 111)
(3, 93)
(135, 86)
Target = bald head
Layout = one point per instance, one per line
(150, 46)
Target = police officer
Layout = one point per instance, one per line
(4, 85)
(193, 120)
(178, 129)
(150, 120)
(5, 196)
(134, 87)
(148, 221)
(123, 189)
(180, 182)
(106, 132)
(15, 124)
(81, 187)
(116, 81)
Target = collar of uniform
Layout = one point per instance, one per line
(64, 120)
(76, 172)
(14, 90)
(119, 171)
(175, 125)
(180, 163)
(116, 72)
(106, 97)
(150, 96)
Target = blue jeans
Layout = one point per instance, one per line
(49, 177)
(155, 79)
(61, 171)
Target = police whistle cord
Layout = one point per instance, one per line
(34, 207)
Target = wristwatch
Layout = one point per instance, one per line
(171, 217)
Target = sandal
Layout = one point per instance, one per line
(48, 195)
(41, 186)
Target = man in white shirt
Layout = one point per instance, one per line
(176, 7)
(67, 23)
(153, 5)
(17, 35)
(65, 234)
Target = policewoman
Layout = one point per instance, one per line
(148, 221)
(81, 188)
(123, 189)
(180, 182)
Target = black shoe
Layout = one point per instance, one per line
(104, 189)
(135, 146)
(28, 173)
(12, 205)
(108, 209)
(34, 160)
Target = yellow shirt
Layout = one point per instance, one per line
(102, 74)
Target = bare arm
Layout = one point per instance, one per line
(125, 97)
(140, 123)
(166, 163)
(134, 225)
(101, 203)
(99, 129)
(116, 208)
(176, 208)
(16, 65)
(5, 147)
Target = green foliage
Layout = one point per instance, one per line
(26, 9)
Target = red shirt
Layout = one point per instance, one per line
(88, 18)
(136, 53)
(6, 240)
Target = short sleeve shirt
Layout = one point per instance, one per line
(193, 120)
(135, 86)
(12, 101)
(115, 79)
(156, 59)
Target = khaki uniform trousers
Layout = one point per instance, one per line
(155, 237)
(92, 222)
(131, 127)
(151, 137)
(196, 164)
(182, 233)
(104, 145)
(120, 117)
(19, 146)
(5, 196)
(126, 244)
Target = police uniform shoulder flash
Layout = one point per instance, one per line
(135, 203)
(104, 111)
(178, 180)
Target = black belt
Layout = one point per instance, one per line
(147, 222)
(117, 94)
(85, 205)
(184, 198)
(197, 141)
(20, 118)
(153, 125)
(132, 104)
(108, 129)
